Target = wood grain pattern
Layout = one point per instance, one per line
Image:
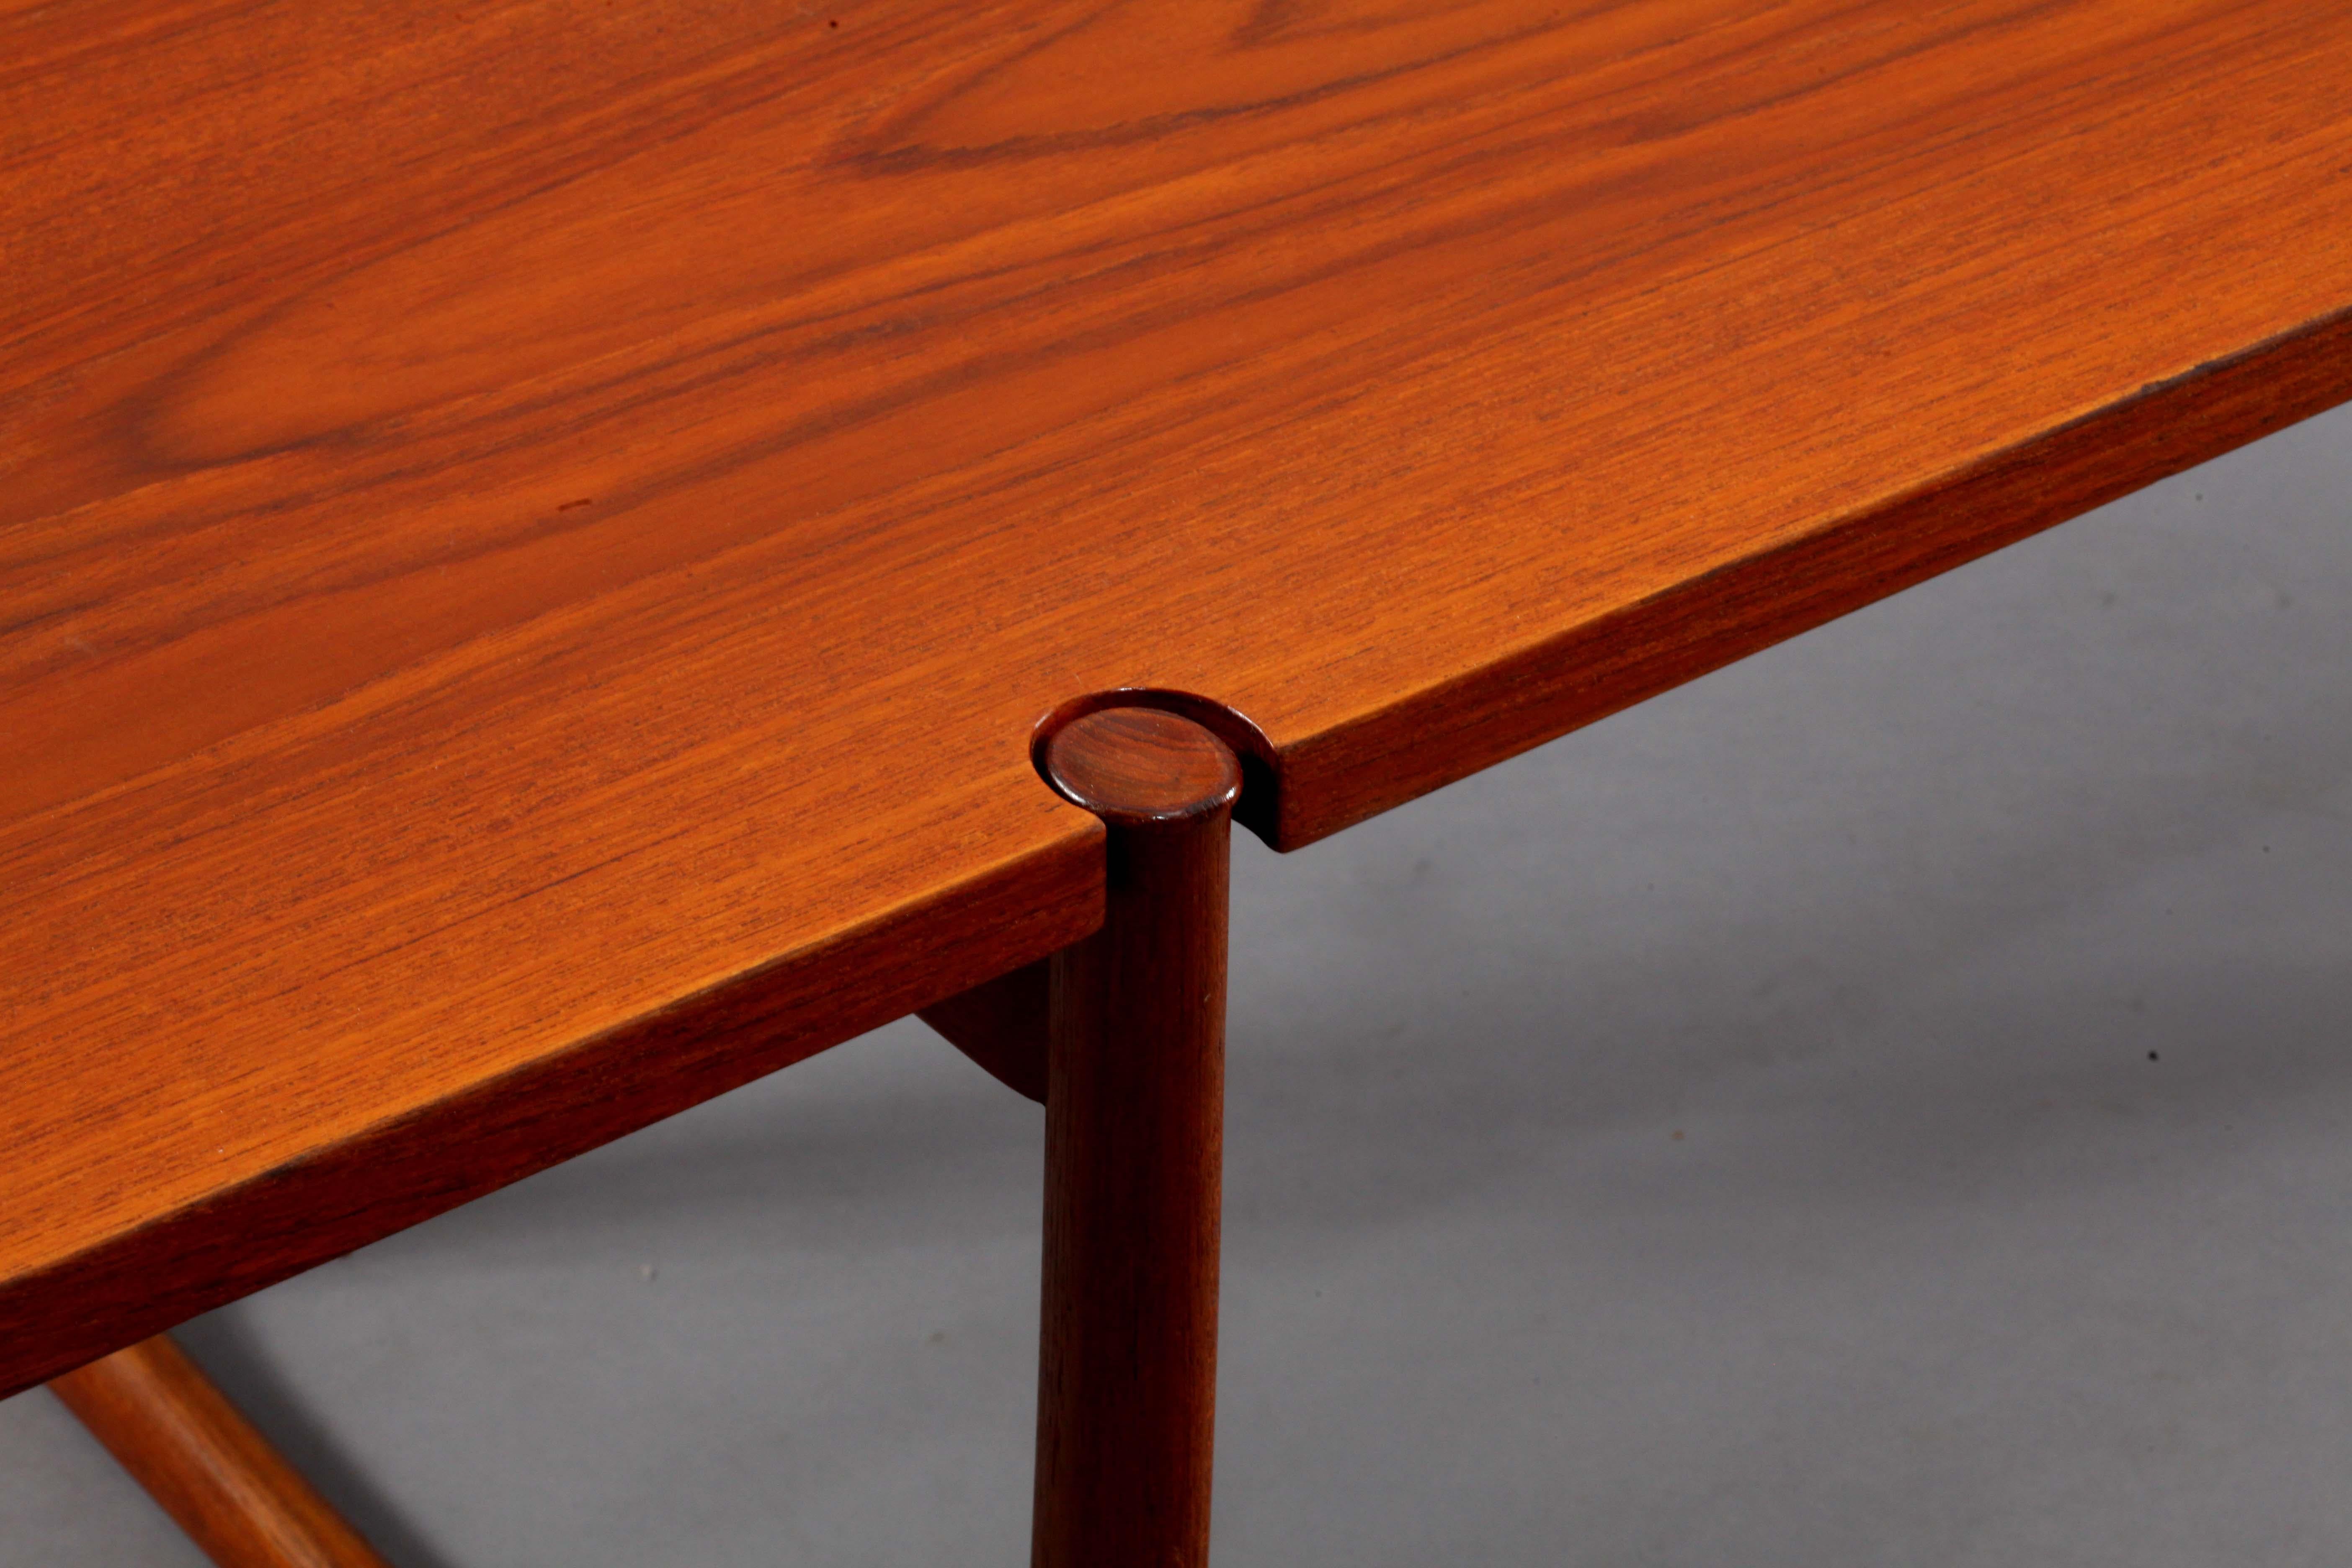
(217, 1477)
(1127, 1365)
(532, 536)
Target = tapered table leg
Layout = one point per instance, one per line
(1134, 1145)
(197, 1455)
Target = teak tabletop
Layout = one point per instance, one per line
(537, 535)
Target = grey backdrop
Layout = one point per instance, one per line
(1884, 1104)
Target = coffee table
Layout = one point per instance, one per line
(548, 550)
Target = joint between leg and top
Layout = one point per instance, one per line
(1001, 1024)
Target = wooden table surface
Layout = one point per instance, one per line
(534, 535)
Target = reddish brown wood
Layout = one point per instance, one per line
(197, 1456)
(1478, 717)
(1259, 808)
(532, 536)
(1134, 1144)
(1001, 1024)
(407, 1168)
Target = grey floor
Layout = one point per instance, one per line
(1884, 1103)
